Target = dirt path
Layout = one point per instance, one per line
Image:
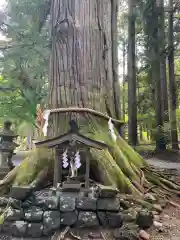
(164, 164)
(170, 219)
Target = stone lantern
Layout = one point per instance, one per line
(7, 147)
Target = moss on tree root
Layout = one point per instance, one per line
(119, 166)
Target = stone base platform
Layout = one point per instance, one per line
(41, 215)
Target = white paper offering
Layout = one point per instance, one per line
(111, 129)
(46, 118)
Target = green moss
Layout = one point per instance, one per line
(32, 165)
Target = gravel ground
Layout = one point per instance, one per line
(160, 163)
(170, 218)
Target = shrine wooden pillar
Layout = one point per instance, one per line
(57, 167)
(87, 170)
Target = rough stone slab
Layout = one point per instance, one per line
(40, 202)
(19, 228)
(144, 219)
(86, 204)
(69, 218)
(20, 192)
(11, 201)
(88, 220)
(40, 198)
(107, 192)
(51, 221)
(103, 220)
(6, 227)
(115, 220)
(14, 215)
(34, 230)
(67, 204)
(34, 214)
(108, 204)
(52, 203)
(28, 203)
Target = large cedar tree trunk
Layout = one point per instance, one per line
(82, 62)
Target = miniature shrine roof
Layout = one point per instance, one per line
(71, 137)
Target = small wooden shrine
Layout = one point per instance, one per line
(69, 148)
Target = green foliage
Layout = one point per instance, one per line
(24, 61)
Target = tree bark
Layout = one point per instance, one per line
(132, 103)
(172, 83)
(155, 65)
(116, 84)
(82, 63)
(165, 109)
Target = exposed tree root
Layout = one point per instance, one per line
(119, 166)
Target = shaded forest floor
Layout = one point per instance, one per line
(170, 219)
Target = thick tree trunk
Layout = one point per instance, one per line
(81, 61)
(132, 104)
(172, 84)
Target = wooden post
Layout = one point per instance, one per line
(57, 168)
(87, 171)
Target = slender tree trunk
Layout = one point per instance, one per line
(165, 110)
(123, 87)
(116, 83)
(160, 143)
(132, 103)
(172, 84)
(124, 76)
(82, 64)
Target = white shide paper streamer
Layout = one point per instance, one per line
(46, 118)
(77, 160)
(65, 160)
(111, 129)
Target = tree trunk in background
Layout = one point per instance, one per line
(155, 65)
(165, 110)
(115, 64)
(132, 103)
(123, 86)
(172, 84)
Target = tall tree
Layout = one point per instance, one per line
(155, 66)
(115, 65)
(172, 83)
(162, 40)
(132, 103)
(84, 56)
